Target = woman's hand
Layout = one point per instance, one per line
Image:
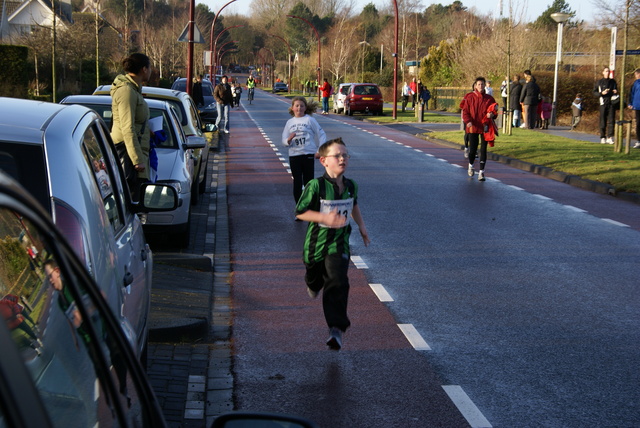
(139, 167)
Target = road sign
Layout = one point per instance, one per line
(197, 34)
(629, 52)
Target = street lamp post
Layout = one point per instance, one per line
(560, 18)
(218, 55)
(363, 44)
(289, 61)
(211, 46)
(317, 37)
(395, 62)
(190, 46)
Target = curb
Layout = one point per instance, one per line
(182, 313)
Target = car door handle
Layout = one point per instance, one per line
(128, 277)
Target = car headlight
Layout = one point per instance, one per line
(173, 183)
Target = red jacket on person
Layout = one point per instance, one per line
(490, 130)
(326, 89)
(475, 106)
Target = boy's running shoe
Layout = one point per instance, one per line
(335, 339)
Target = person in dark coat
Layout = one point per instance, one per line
(530, 97)
(224, 98)
(196, 91)
(606, 89)
(514, 100)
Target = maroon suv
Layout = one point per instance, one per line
(363, 97)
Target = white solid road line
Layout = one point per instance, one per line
(414, 338)
(469, 410)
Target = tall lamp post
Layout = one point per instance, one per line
(211, 47)
(560, 18)
(217, 56)
(289, 61)
(317, 37)
(395, 62)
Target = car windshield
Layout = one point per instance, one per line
(104, 110)
(345, 90)
(170, 142)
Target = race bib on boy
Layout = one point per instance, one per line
(343, 206)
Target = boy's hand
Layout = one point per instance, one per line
(365, 237)
(334, 220)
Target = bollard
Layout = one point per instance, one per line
(420, 112)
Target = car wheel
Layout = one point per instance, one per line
(183, 237)
(195, 192)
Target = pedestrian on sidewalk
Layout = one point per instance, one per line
(414, 93)
(303, 135)
(326, 93)
(406, 93)
(606, 89)
(224, 99)
(529, 97)
(634, 104)
(476, 113)
(546, 108)
(130, 121)
(514, 100)
(327, 203)
(576, 110)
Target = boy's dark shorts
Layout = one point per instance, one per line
(330, 272)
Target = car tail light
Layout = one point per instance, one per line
(71, 227)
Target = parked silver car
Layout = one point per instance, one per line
(64, 156)
(339, 96)
(175, 164)
(191, 123)
(65, 362)
(208, 111)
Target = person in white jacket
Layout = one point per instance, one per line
(303, 135)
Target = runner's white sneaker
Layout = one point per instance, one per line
(470, 171)
(466, 152)
(637, 145)
(609, 140)
(481, 176)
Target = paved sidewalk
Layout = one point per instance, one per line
(189, 352)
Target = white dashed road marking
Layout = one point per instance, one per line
(382, 294)
(414, 338)
(469, 410)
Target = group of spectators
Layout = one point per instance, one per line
(416, 92)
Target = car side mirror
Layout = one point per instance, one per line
(260, 420)
(195, 142)
(157, 198)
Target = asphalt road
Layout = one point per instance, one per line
(522, 292)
